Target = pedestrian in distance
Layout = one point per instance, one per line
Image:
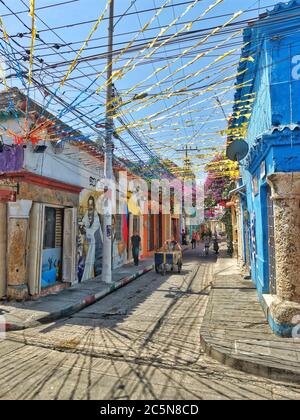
(194, 240)
(206, 244)
(136, 247)
(216, 244)
(184, 242)
(172, 246)
(198, 238)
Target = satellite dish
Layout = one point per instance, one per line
(237, 150)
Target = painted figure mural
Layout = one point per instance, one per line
(90, 240)
(90, 236)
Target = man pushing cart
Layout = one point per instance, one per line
(170, 258)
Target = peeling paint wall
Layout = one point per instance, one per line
(286, 198)
(42, 195)
(3, 236)
(16, 251)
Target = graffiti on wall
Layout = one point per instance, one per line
(51, 266)
(119, 240)
(90, 237)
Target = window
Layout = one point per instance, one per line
(136, 224)
(119, 227)
(150, 232)
(53, 232)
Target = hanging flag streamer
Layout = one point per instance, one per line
(3, 30)
(156, 117)
(33, 38)
(157, 123)
(153, 116)
(184, 52)
(192, 75)
(75, 101)
(117, 75)
(186, 99)
(146, 26)
(73, 65)
(2, 70)
(195, 74)
(126, 69)
(93, 30)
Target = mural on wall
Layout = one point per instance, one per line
(119, 240)
(51, 266)
(90, 237)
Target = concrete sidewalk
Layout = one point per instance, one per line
(236, 333)
(29, 314)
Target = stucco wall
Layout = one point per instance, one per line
(3, 248)
(72, 166)
(40, 194)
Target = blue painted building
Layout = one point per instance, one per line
(267, 115)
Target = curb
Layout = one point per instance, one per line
(71, 310)
(257, 369)
(223, 352)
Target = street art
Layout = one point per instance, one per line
(51, 266)
(90, 237)
(119, 240)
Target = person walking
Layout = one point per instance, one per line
(216, 244)
(194, 240)
(207, 244)
(198, 238)
(184, 242)
(136, 246)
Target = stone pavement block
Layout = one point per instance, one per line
(236, 333)
(143, 345)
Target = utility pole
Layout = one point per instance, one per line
(185, 150)
(108, 160)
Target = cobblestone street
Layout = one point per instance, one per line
(141, 342)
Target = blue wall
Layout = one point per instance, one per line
(273, 132)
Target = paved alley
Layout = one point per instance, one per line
(142, 342)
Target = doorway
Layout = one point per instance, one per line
(52, 252)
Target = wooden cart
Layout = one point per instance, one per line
(168, 261)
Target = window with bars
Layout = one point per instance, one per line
(53, 231)
(150, 232)
(136, 224)
(119, 227)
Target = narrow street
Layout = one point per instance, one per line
(149, 201)
(141, 342)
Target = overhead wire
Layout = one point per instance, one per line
(193, 86)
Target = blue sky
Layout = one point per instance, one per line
(197, 128)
